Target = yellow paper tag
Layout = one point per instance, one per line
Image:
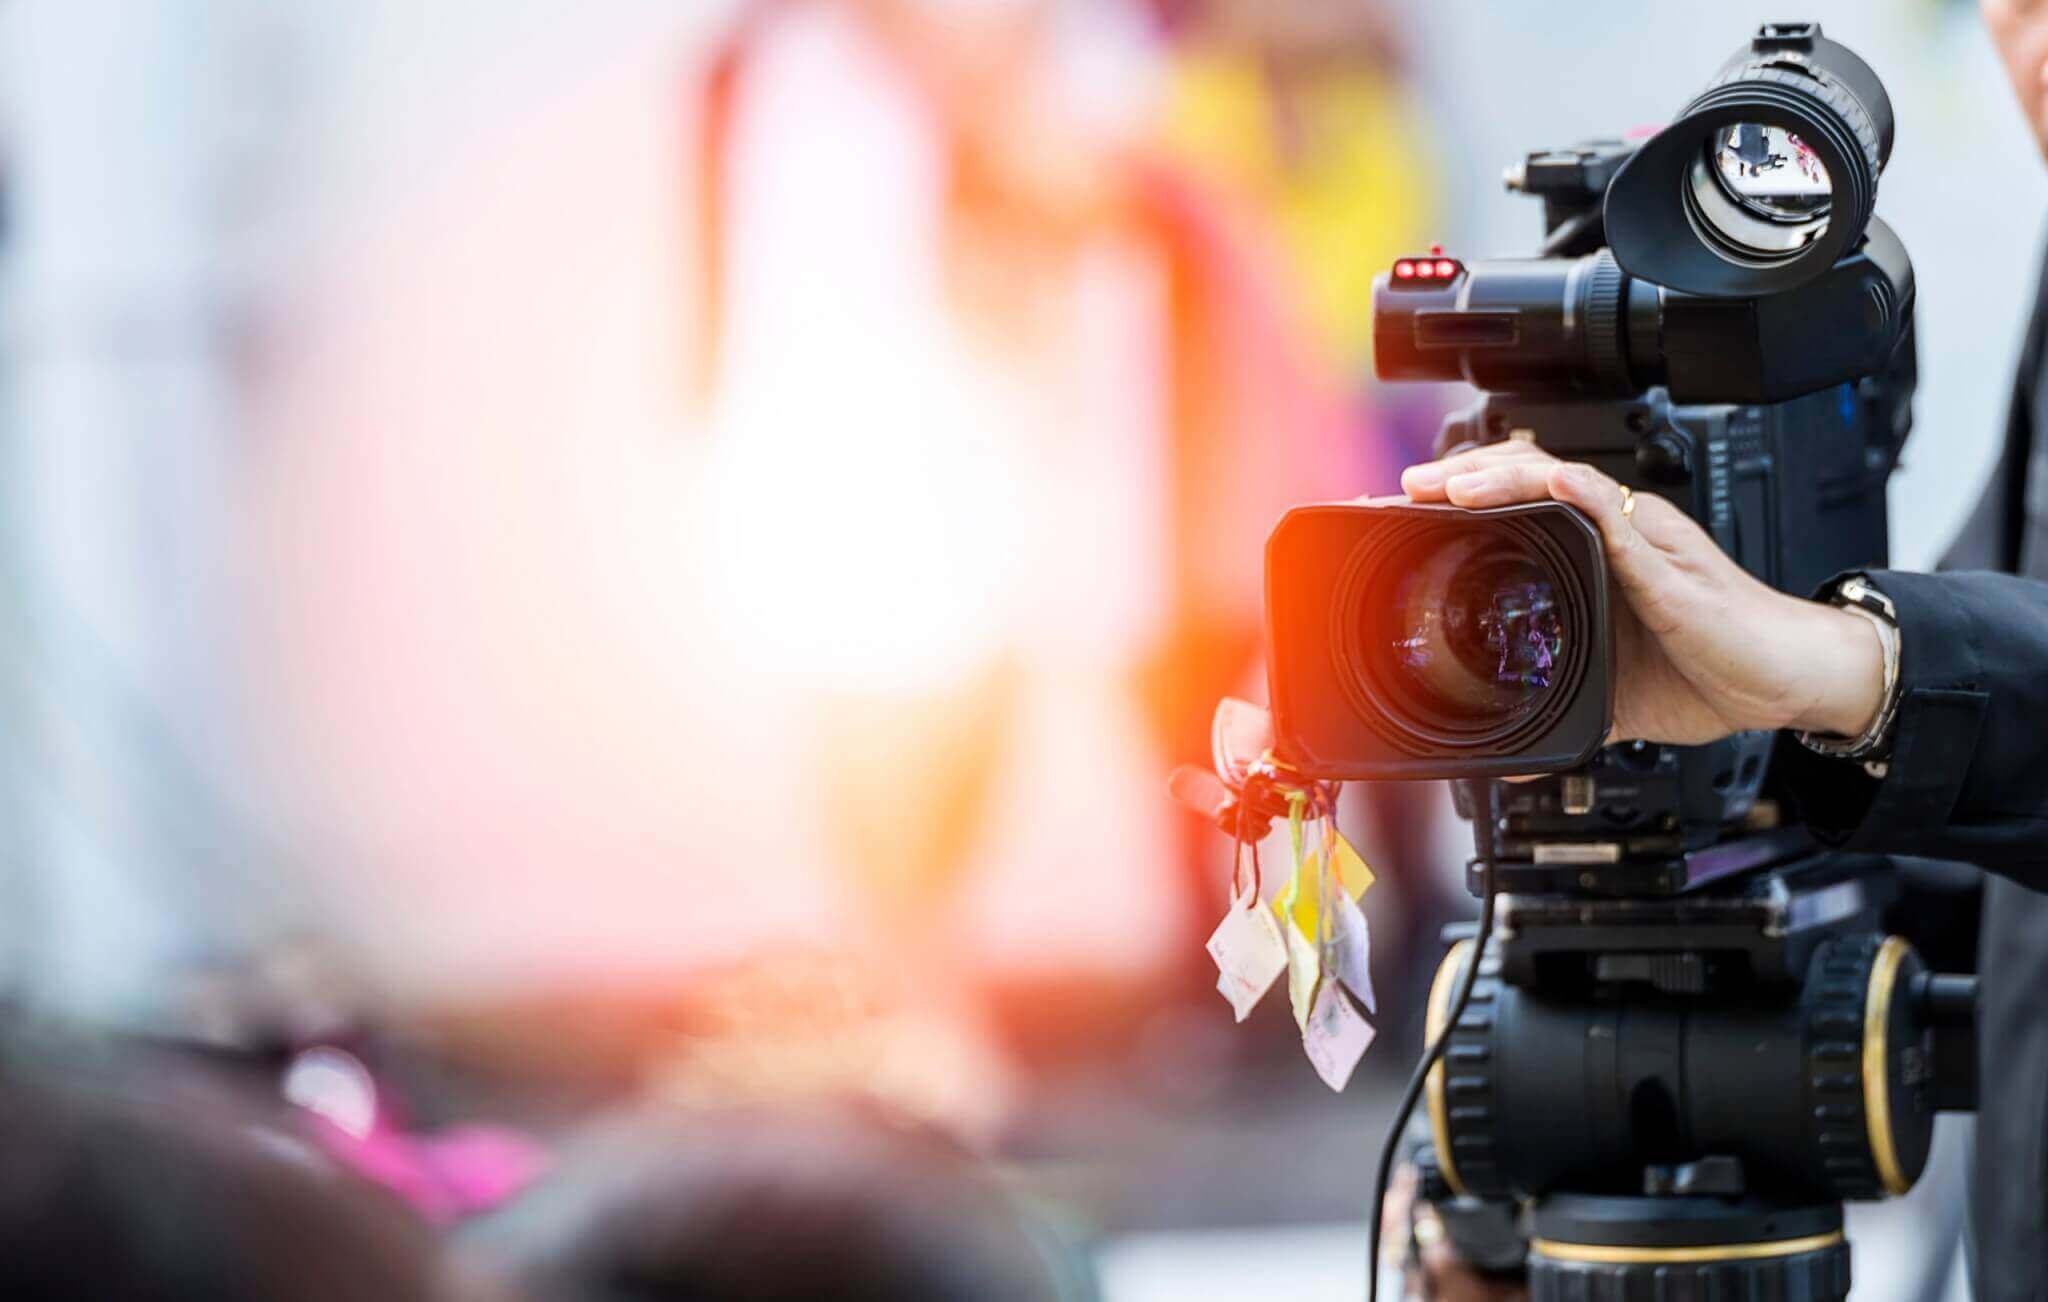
(1297, 902)
(1352, 871)
(1300, 901)
(1304, 975)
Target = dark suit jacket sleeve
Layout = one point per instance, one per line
(1968, 778)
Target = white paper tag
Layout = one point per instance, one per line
(1336, 1036)
(1354, 952)
(1249, 954)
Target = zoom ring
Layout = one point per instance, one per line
(1606, 284)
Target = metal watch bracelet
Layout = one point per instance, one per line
(1874, 743)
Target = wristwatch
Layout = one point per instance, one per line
(1873, 747)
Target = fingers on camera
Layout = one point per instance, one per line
(1505, 473)
(1635, 562)
(1426, 482)
(1525, 480)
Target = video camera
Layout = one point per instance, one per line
(1680, 1036)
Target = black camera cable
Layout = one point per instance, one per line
(1484, 822)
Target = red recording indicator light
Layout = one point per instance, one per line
(1432, 270)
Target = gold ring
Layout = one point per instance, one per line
(1628, 501)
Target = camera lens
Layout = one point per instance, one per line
(1461, 635)
(1770, 172)
(1471, 628)
(1764, 192)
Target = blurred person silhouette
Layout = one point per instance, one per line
(1752, 147)
(1056, 385)
(187, 1198)
(297, 1019)
(1303, 110)
(771, 1205)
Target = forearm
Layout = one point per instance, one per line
(1968, 775)
(1847, 681)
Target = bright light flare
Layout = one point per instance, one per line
(864, 532)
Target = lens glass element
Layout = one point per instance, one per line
(1472, 628)
(1770, 172)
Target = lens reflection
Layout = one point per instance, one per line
(1474, 627)
(1771, 172)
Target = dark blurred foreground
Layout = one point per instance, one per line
(158, 1174)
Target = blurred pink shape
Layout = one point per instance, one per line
(448, 1176)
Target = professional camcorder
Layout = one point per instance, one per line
(1680, 1036)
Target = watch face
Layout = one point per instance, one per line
(1857, 591)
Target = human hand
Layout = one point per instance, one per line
(1702, 649)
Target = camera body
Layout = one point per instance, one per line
(1793, 490)
(1773, 421)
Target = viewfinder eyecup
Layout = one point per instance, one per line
(1765, 180)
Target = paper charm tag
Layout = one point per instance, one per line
(1336, 1037)
(1295, 905)
(1352, 870)
(1249, 954)
(1239, 734)
(1353, 952)
(1299, 901)
(1304, 974)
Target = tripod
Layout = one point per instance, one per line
(1682, 1089)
